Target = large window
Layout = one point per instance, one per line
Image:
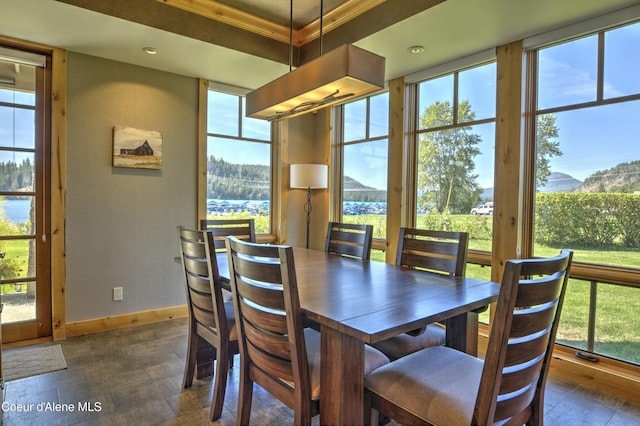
(238, 162)
(455, 153)
(364, 154)
(587, 181)
(25, 257)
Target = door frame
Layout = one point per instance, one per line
(56, 129)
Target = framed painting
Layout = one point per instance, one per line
(137, 148)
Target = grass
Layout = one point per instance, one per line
(616, 331)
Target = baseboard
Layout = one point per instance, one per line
(99, 325)
(607, 375)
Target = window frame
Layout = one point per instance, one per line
(274, 154)
(337, 159)
(614, 274)
(475, 256)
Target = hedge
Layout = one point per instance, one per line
(588, 219)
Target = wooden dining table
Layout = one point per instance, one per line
(358, 303)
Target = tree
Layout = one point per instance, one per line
(446, 178)
(546, 147)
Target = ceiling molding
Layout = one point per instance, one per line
(221, 12)
(334, 19)
(230, 15)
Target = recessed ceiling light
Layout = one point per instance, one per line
(415, 49)
(150, 50)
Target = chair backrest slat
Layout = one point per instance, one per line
(202, 281)
(436, 251)
(243, 229)
(522, 338)
(352, 240)
(269, 319)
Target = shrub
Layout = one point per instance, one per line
(587, 219)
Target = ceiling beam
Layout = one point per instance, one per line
(369, 22)
(214, 22)
(159, 15)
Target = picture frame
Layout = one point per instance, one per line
(137, 148)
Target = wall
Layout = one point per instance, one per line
(121, 223)
(308, 143)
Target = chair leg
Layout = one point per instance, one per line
(245, 395)
(536, 417)
(371, 415)
(190, 362)
(220, 385)
(302, 413)
(205, 358)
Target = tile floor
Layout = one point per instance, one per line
(134, 376)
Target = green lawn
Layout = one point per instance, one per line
(617, 331)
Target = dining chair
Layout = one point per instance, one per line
(212, 330)
(351, 240)
(441, 252)
(276, 351)
(439, 385)
(243, 229)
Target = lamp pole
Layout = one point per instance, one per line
(308, 176)
(307, 209)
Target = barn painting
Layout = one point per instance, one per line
(137, 148)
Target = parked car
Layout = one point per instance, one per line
(486, 208)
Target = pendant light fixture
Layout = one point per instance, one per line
(345, 72)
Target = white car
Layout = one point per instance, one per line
(486, 208)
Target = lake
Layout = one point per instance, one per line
(16, 211)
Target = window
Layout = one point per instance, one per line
(238, 162)
(25, 221)
(364, 145)
(455, 153)
(587, 181)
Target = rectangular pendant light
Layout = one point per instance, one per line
(343, 73)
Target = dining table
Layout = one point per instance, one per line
(357, 303)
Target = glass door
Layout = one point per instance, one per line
(25, 279)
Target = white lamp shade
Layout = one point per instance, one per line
(309, 176)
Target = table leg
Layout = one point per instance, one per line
(342, 379)
(462, 333)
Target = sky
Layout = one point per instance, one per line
(591, 139)
(598, 138)
(16, 125)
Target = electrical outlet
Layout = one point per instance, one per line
(117, 294)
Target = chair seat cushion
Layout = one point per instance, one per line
(437, 384)
(372, 360)
(404, 344)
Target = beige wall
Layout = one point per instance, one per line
(121, 223)
(308, 142)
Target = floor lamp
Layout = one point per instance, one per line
(308, 176)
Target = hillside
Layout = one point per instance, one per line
(354, 190)
(625, 177)
(560, 182)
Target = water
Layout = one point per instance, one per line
(16, 211)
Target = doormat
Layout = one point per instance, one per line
(21, 363)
